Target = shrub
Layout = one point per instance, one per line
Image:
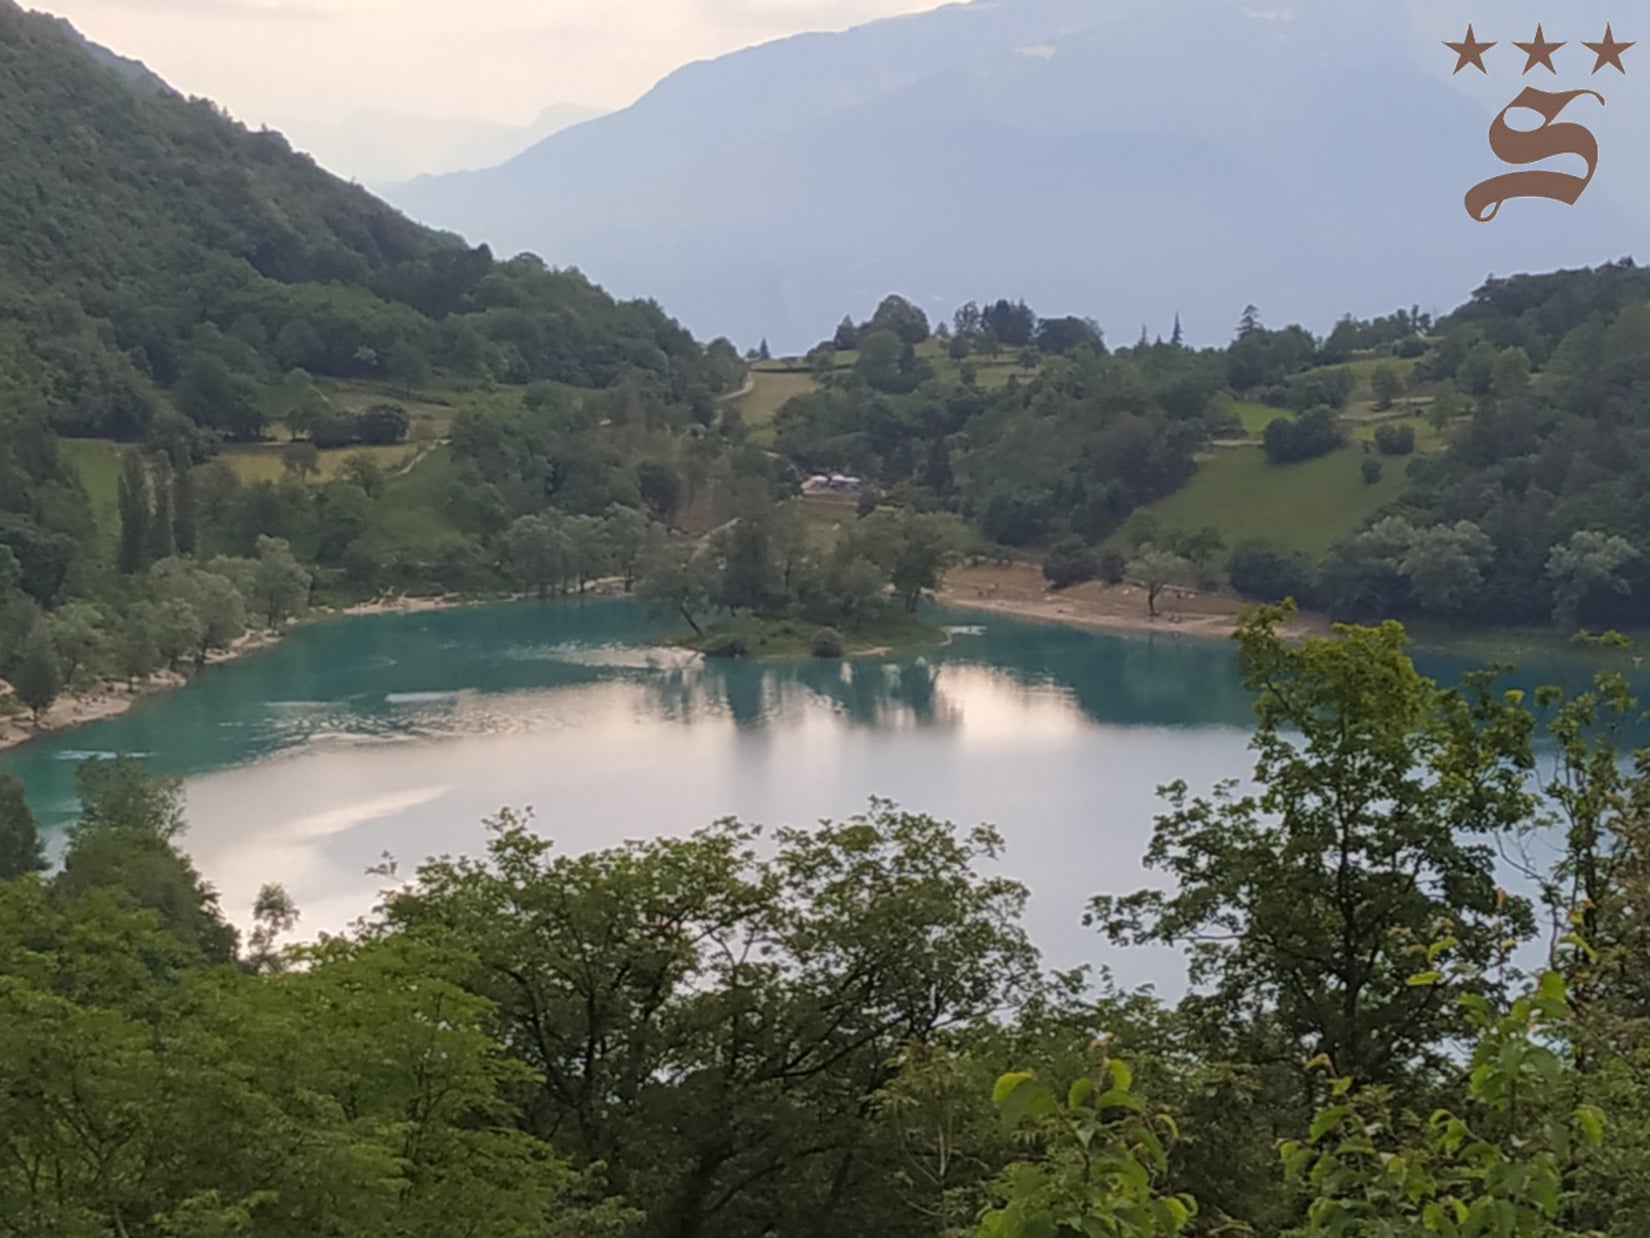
(1395, 440)
(384, 425)
(725, 646)
(1113, 567)
(828, 643)
(1264, 572)
(1070, 562)
(1329, 388)
(335, 430)
(1371, 470)
(1292, 439)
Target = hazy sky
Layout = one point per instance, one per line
(275, 61)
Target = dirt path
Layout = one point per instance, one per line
(750, 386)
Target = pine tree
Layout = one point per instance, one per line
(1178, 338)
(162, 535)
(1145, 338)
(185, 532)
(763, 352)
(1250, 322)
(134, 515)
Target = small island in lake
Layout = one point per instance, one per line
(791, 580)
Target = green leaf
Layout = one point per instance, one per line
(1006, 1085)
(1439, 947)
(1326, 1121)
(1122, 1076)
(1028, 1098)
(1079, 1092)
(1116, 1099)
(1424, 979)
(1176, 1214)
(1591, 1120)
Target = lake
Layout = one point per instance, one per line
(400, 734)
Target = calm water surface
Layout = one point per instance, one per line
(400, 734)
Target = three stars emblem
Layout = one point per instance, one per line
(1539, 52)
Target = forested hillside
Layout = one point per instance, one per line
(1483, 469)
(157, 257)
(1538, 511)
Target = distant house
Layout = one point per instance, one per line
(832, 483)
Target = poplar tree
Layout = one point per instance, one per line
(135, 515)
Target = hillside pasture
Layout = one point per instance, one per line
(1306, 507)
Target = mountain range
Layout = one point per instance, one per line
(1124, 159)
(379, 147)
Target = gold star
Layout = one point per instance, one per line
(1471, 52)
(1609, 51)
(1540, 52)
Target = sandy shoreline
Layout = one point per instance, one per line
(1018, 590)
(1021, 591)
(112, 698)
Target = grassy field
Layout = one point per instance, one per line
(1306, 506)
(415, 504)
(1255, 417)
(263, 461)
(98, 464)
(773, 389)
(430, 413)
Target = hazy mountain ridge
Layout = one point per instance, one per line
(379, 148)
(134, 71)
(1184, 156)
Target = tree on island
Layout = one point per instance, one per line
(679, 579)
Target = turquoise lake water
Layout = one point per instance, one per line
(399, 734)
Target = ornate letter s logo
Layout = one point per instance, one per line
(1522, 146)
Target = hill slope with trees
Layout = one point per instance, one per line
(158, 257)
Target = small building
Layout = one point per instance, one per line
(832, 483)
